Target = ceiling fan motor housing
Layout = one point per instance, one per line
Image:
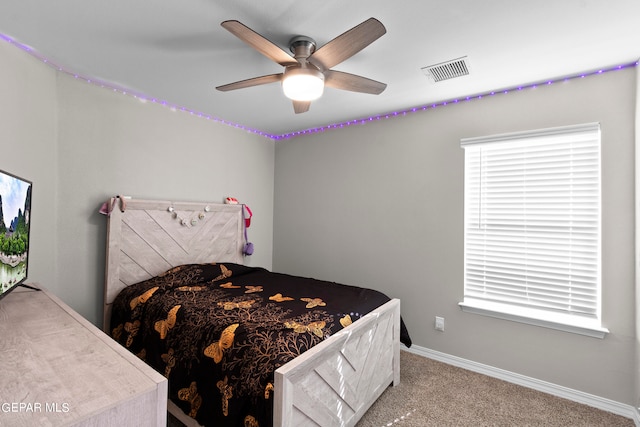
(302, 46)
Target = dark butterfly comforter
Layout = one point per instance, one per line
(219, 331)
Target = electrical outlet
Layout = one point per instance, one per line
(439, 324)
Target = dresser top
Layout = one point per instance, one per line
(59, 369)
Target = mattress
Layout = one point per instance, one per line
(219, 331)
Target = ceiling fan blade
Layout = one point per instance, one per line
(352, 82)
(255, 81)
(301, 106)
(348, 44)
(259, 43)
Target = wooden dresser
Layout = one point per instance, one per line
(57, 369)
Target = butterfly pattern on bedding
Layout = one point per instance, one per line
(219, 331)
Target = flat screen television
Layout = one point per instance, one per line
(15, 220)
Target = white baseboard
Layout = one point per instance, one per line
(608, 405)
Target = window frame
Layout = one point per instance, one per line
(570, 322)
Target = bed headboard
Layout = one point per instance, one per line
(148, 237)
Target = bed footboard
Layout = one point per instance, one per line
(335, 382)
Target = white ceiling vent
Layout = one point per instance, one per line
(447, 70)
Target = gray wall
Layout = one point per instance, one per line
(28, 147)
(81, 144)
(637, 253)
(381, 205)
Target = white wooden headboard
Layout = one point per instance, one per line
(148, 237)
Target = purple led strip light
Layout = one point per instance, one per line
(378, 117)
(135, 95)
(319, 129)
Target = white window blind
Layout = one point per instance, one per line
(532, 223)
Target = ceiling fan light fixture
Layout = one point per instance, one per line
(303, 84)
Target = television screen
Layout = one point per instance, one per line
(15, 213)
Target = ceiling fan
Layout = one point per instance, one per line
(308, 71)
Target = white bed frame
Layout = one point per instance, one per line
(332, 384)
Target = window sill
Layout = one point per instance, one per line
(509, 313)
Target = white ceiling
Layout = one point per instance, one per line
(176, 51)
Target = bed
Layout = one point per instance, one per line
(171, 265)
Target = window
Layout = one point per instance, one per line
(532, 227)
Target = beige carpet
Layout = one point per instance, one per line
(432, 393)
